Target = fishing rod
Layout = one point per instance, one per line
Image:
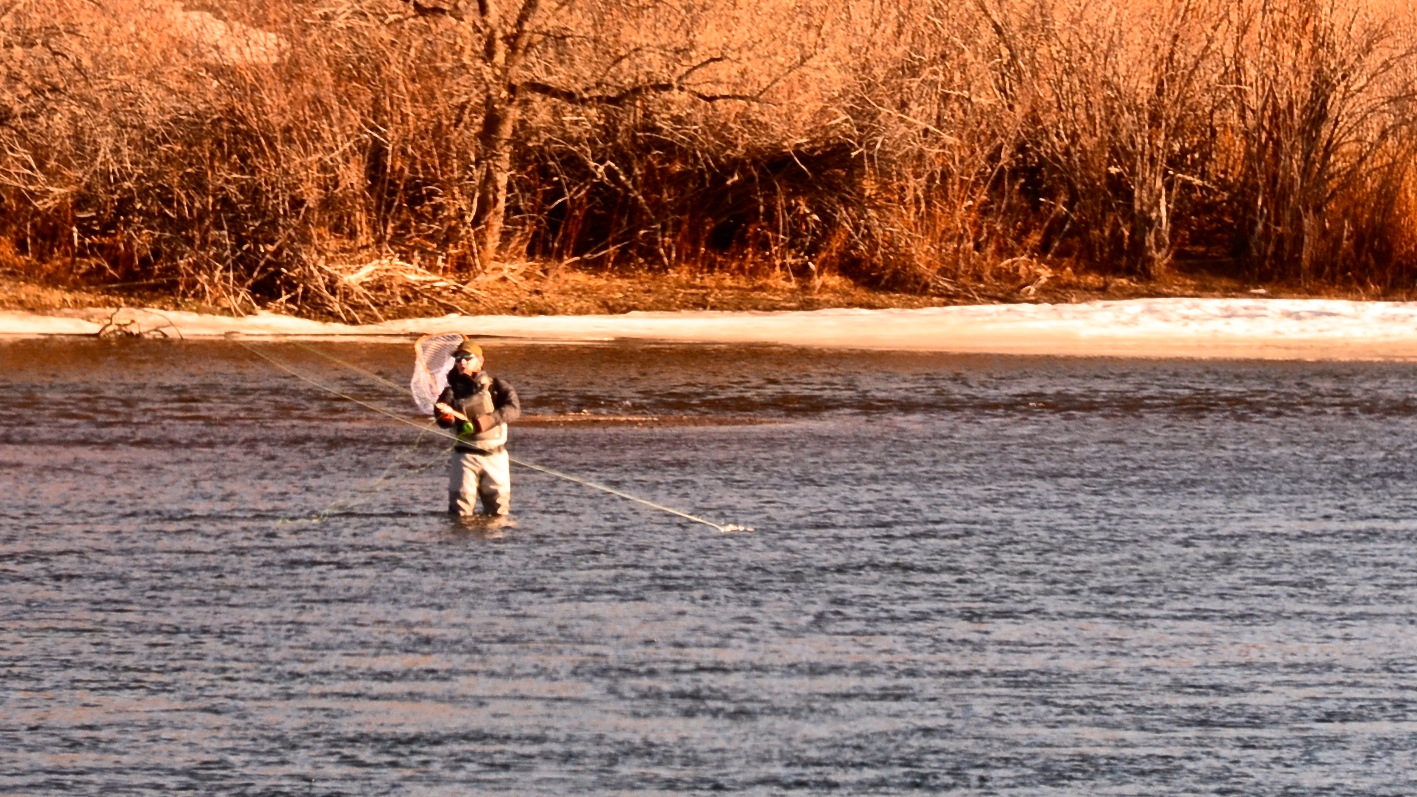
(723, 527)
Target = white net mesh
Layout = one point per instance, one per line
(433, 357)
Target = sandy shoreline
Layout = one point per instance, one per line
(1300, 329)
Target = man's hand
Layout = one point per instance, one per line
(446, 413)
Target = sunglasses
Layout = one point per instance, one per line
(462, 357)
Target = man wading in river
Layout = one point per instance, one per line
(479, 406)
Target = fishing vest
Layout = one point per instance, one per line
(475, 406)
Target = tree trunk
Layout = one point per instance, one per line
(1150, 239)
(495, 150)
(503, 52)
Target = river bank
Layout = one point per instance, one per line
(532, 290)
(1159, 327)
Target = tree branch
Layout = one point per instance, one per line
(582, 97)
(520, 35)
(436, 8)
(575, 97)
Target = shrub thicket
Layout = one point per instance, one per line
(251, 152)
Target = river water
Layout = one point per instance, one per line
(968, 574)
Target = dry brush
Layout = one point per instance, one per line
(337, 156)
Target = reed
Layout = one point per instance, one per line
(339, 157)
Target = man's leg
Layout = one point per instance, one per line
(495, 484)
(462, 484)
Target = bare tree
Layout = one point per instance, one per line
(518, 51)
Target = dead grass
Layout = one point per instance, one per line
(549, 290)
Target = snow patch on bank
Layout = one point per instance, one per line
(1271, 328)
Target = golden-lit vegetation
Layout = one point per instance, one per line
(326, 154)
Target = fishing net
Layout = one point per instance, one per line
(433, 359)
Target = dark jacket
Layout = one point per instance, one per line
(506, 406)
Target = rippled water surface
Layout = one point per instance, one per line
(974, 574)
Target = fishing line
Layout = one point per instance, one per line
(383, 479)
(723, 527)
(423, 428)
(380, 480)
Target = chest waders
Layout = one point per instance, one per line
(479, 467)
(476, 406)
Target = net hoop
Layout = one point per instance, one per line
(433, 358)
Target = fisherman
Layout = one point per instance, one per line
(479, 406)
